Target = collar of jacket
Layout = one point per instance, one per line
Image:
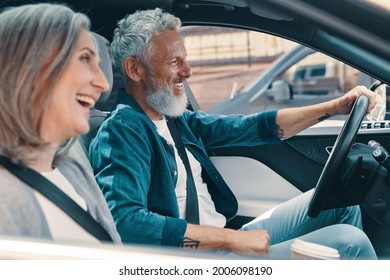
(127, 99)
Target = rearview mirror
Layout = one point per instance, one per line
(280, 91)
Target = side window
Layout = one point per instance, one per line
(240, 71)
(225, 61)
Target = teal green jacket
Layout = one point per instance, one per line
(136, 169)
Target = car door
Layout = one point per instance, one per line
(262, 177)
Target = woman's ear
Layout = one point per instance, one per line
(133, 69)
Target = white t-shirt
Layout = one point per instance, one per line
(62, 227)
(208, 216)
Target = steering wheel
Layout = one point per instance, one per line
(331, 174)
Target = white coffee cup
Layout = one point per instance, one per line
(304, 250)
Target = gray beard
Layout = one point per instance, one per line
(162, 99)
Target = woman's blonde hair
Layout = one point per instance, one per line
(37, 41)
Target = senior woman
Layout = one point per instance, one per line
(49, 79)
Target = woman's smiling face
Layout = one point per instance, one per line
(78, 89)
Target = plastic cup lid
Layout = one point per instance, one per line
(314, 250)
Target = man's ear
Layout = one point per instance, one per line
(133, 69)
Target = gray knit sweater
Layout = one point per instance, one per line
(21, 214)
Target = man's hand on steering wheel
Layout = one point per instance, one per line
(344, 103)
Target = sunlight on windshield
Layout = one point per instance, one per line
(382, 3)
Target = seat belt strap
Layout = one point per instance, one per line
(192, 207)
(58, 197)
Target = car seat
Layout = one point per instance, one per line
(79, 148)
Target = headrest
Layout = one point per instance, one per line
(105, 63)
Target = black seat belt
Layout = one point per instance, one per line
(192, 207)
(58, 197)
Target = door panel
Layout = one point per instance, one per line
(257, 188)
(264, 176)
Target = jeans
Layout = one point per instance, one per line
(339, 228)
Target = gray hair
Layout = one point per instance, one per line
(37, 41)
(133, 34)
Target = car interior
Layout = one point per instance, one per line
(337, 158)
(79, 150)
